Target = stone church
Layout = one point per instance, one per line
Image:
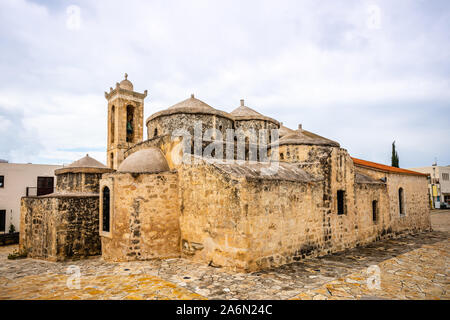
(166, 196)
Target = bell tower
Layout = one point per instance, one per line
(125, 120)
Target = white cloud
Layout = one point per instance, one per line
(297, 61)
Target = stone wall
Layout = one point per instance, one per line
(144, 216)
(167, 124)
(369, 229)
(60, 227)
(213, 230)
(78, 182)
(250, 224)
(257, 125)
(284, 221)
(336, 168)
(246, 223)
(417, 215)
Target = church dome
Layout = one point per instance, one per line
(191, 105)
(85, 164)
(150, 160)
(245, 113)
(126, 84)
(285, 131)
(303, 137)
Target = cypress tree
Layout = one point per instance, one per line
(394, 157)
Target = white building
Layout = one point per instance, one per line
(16, 180)
(439, 184)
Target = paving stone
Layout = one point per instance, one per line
(414, 267)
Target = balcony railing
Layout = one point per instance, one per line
(34, 191)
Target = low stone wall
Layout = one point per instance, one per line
(144, 215)
(59, 227)
(370, 229)
(417, 213)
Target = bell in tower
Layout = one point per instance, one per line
(125, 120)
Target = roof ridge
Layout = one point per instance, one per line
(384, 167)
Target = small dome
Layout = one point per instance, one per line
(86, 162)
(245, 113)
(285, 131)
(303, 137)
(86, 165)
(126, 84)
(150, 160)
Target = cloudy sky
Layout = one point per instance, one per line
(363, 73)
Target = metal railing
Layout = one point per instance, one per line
(35, 191)
(31, 191)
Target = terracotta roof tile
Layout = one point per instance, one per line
(385, 168)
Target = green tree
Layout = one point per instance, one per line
(394, 157)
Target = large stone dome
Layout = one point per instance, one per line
(150, 160)
(192, 106)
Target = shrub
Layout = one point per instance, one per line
(17, 255)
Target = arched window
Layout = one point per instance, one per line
(113, 112)
(282, 156)
(105, 213)
(247, 148)
(374, 210)
(155, 133)
(130, 123)
(401, 203)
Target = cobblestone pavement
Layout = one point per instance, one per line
(413, 267)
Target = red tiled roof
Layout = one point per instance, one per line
(385, 168)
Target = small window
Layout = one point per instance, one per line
(2, 181)
(445, 176)
(282, 156)
(155, 133)
(401, 203)
(44, 185)
(374, 210)
(105, 213)
(341, 202)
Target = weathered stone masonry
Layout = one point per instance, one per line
(241, 215)
(65, 224)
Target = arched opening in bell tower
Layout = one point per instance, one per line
(112, 123)
(130, 124)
